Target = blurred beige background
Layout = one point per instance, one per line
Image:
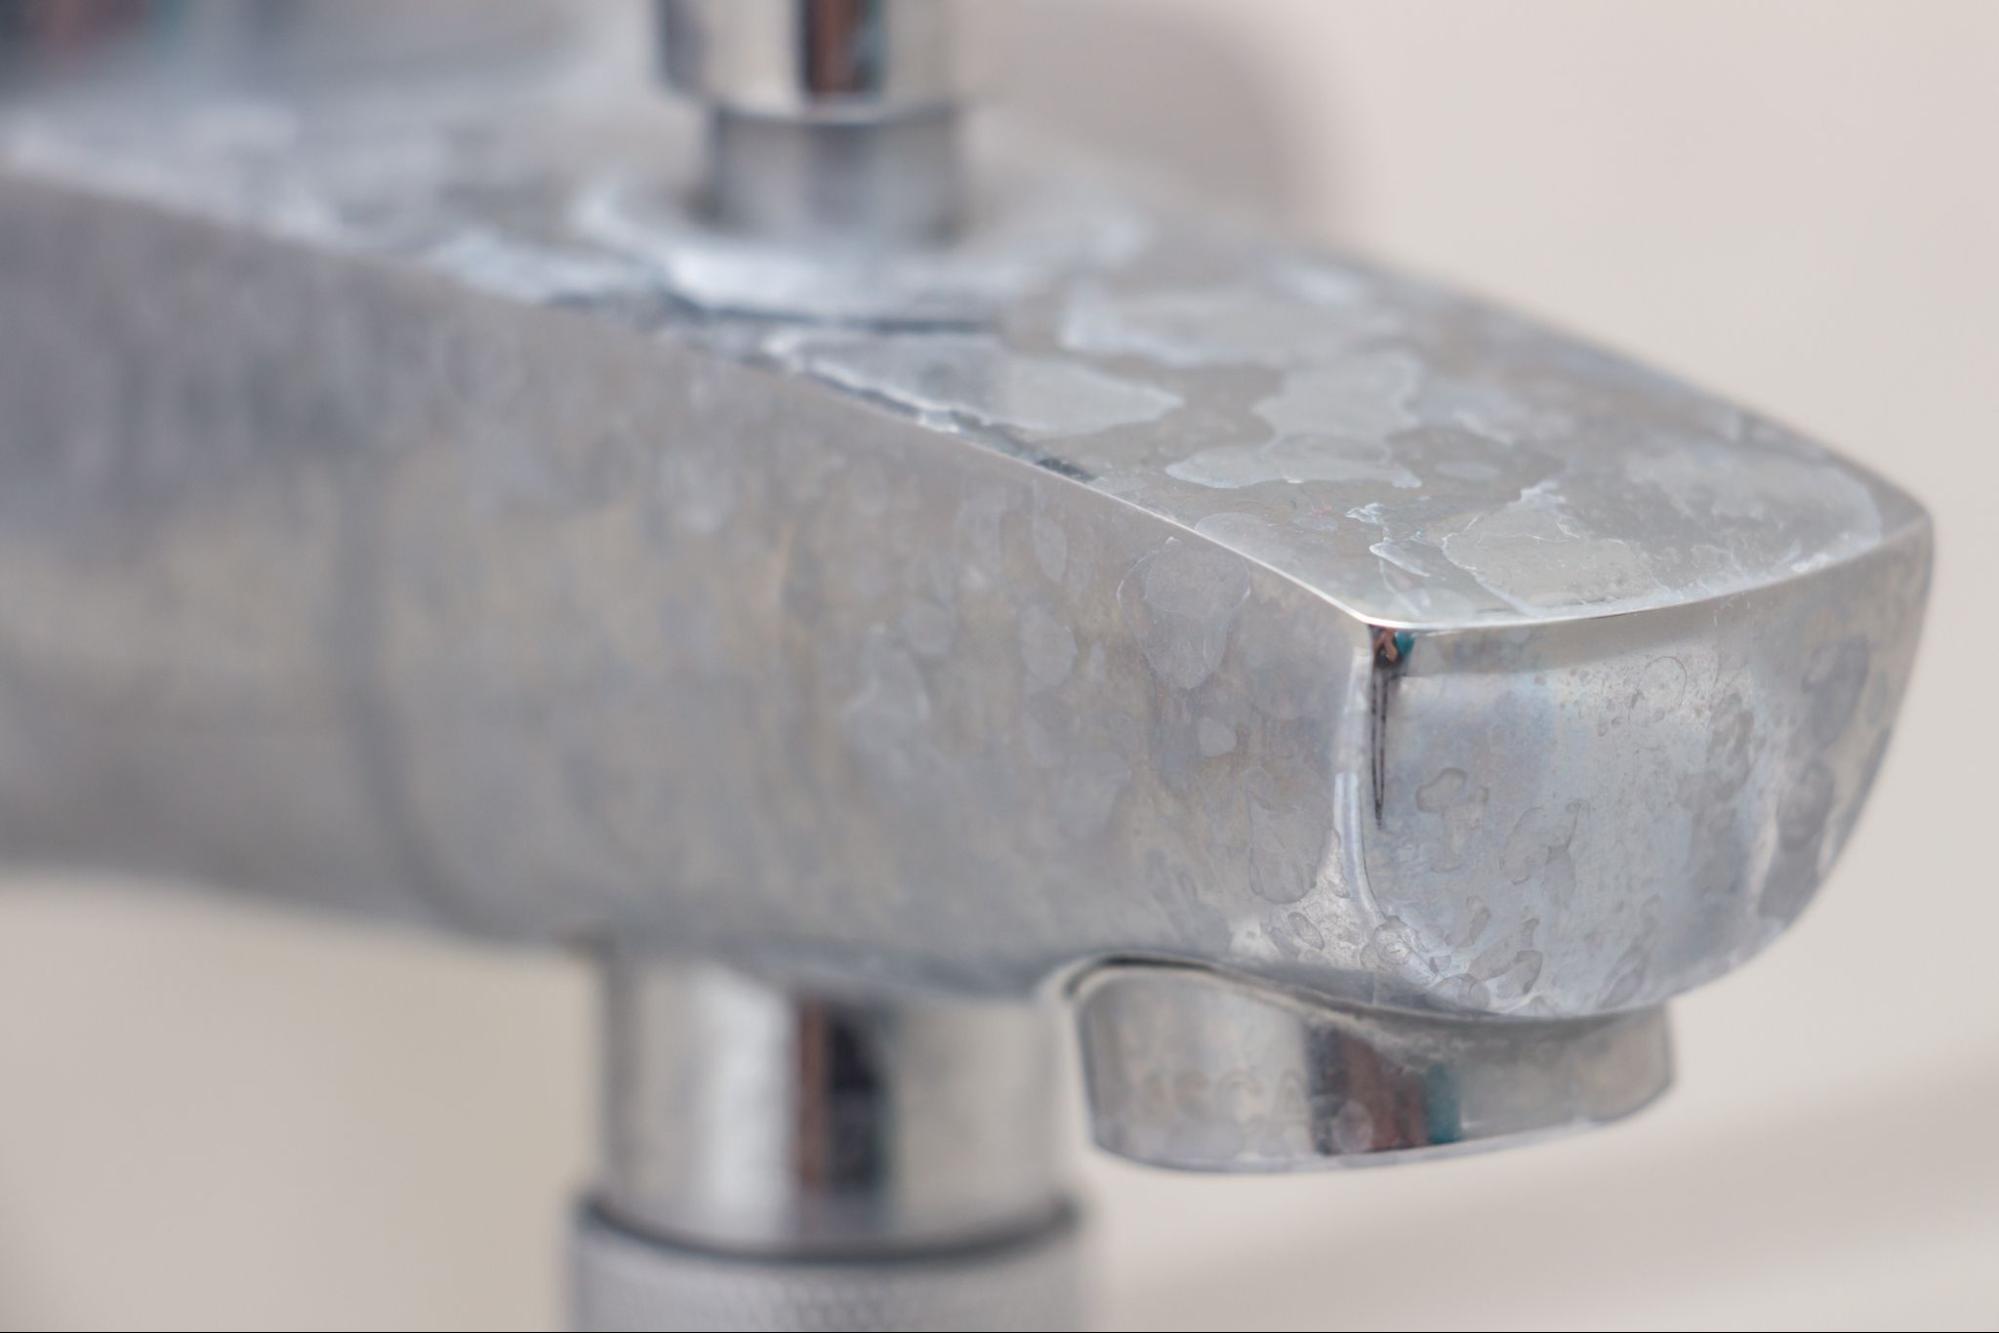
(212, 1117)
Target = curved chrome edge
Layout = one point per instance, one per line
(1188, 1068)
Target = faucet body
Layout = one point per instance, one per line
(1368, 705)
(1188, 597)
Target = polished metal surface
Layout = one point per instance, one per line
(624, 1281)
(851, 60)
(1369, 705)
(747, 1115)
(1190, 1070)
(873, 185)
(828, 121)
(822, 1153)
(1187, 596)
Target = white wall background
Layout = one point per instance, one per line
(210, 1117)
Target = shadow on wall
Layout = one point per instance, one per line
(1179, 94)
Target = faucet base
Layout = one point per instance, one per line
(621, 1280)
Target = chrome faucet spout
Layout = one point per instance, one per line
(1364, 708)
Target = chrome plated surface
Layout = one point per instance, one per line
(828, 121)
(822, 1152)
(846, 60)
(869, 185)
(1191, 1070)
(821, 1119)
(1172, 593)
(431, 504)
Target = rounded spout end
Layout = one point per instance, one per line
(1187, 1068)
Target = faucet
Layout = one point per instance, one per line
(881, 592)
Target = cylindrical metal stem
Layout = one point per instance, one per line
(888, 1156)
(857, 60)
(829, 121)
(857, 184)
